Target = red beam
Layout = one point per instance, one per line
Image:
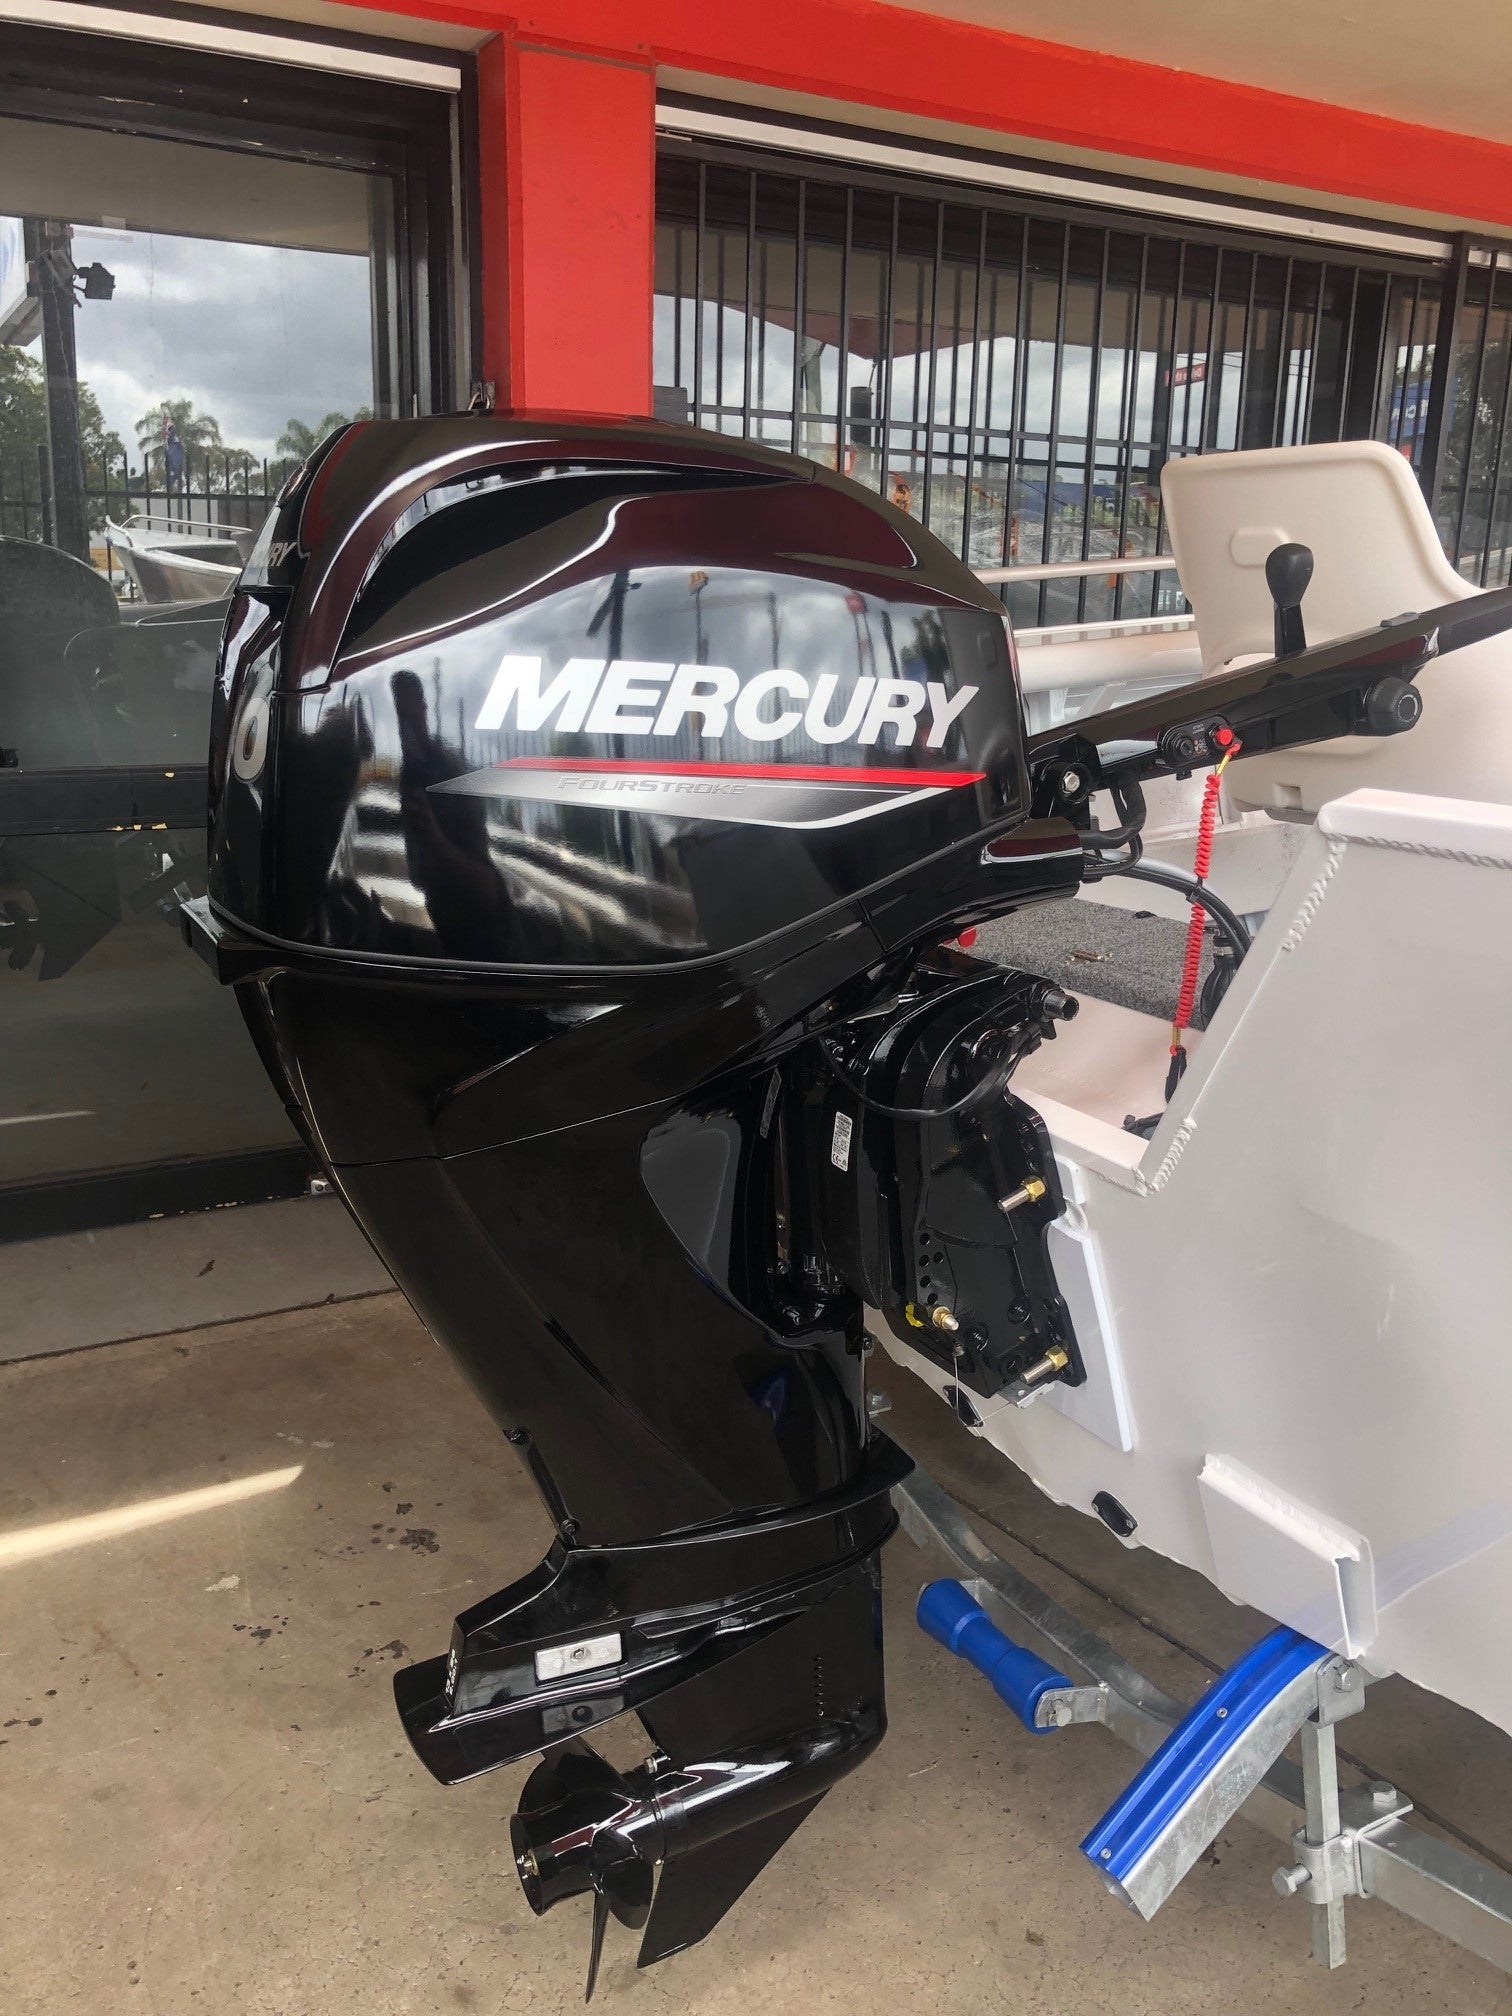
(568, 173)
(493, 212)
(866, 53)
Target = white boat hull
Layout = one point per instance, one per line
(1293, 1298)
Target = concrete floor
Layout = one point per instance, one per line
(209, 1807)
(86, 1288)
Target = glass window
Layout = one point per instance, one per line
(121, 1047)
(195, 322)
(179, 325)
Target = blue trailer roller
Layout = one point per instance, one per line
(1019, 1677)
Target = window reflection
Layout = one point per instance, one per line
(179, 325)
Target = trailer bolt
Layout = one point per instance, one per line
(943, 1320)
(1070, 783)
(1382, 1796)
(1289, 1881)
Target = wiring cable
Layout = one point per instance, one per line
(1191, 965)
(991, 1082)
(1184, 883)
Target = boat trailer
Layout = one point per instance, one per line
(1207, 1762)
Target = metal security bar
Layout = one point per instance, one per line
(1017, 378)
(220, 495)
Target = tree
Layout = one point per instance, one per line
(23, 412)
(101, 444)
(298, 441)
(23, 431)
(1475, 457)
(199, 432)
(1472, 453)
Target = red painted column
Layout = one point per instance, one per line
(567, 147)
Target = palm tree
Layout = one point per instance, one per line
(299, 441)
(197, 432)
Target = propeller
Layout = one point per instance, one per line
(570, 1836)
(624, 1887)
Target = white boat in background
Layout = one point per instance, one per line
(168, 559)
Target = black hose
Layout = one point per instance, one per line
(1129, 800)
(1187, 885)
(1096, 865)
(992, 1080)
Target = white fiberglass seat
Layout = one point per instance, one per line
(1358, 506)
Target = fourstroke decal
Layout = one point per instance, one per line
(807, 795)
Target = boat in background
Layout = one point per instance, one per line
(167, 559)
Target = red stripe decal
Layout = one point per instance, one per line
(779, 773)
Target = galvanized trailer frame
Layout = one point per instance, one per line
(1342, 1842)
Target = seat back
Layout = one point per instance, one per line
(47, 600)
(1355, 503)
(1358, 506)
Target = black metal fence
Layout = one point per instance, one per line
(1018, 378)
(222, 494)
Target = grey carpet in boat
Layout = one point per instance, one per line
(1129, 957)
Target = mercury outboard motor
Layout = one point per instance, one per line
(590, 804)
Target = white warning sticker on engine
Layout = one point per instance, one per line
(769, 1106)
(840, 1141)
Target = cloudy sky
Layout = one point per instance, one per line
(254, 334)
